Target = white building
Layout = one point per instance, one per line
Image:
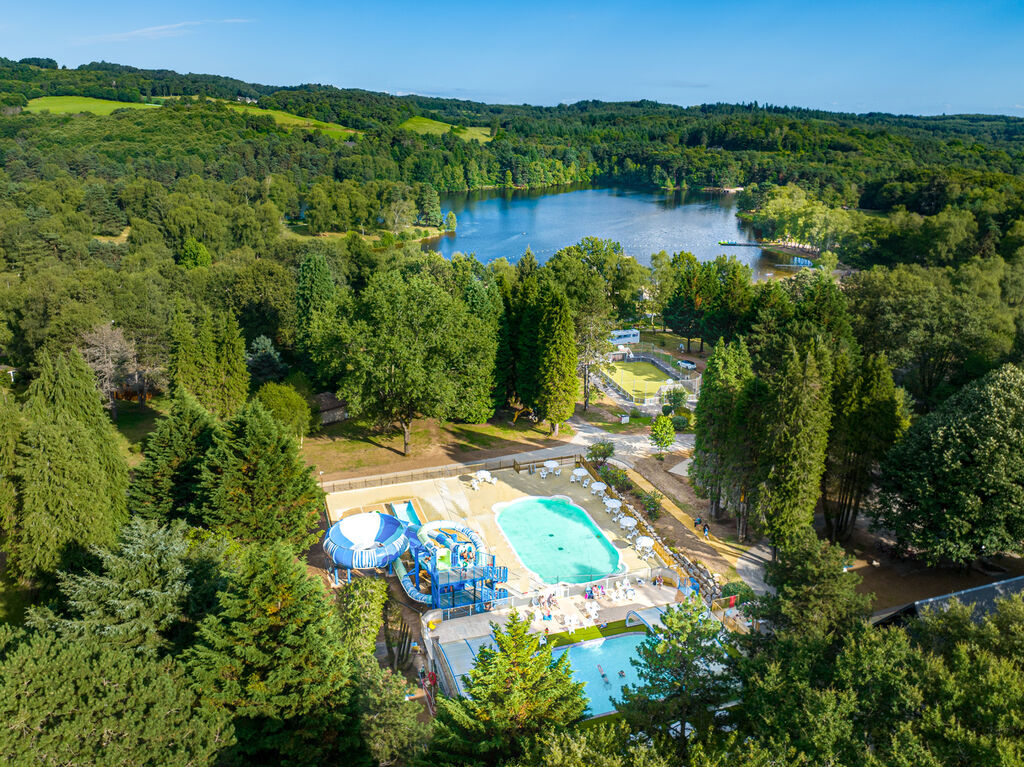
(631, 336)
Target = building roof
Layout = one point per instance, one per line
(981, 598)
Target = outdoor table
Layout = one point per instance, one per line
(483, 475)
(579, 472)
(644, 542)
(628, 523)
(612, 503)
(597, 487)
(550, 464)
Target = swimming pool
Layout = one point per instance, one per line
(612, 654)
(557, 540)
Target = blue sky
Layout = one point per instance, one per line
(896, 56)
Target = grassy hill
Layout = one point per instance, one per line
(289, 120)
(76, 104)
(436, 128)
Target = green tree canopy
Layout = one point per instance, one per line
(89, 701)
(680, 677)
(954, 486)
(514, 692)
(270, 656)
(288, 406)
(254, 485)
(558, 384)
(69, 478)
(663, 433)
(165, 485)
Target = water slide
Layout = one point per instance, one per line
(405, 578)
(366, 540)
(441, 532)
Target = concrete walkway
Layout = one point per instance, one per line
(628, 447)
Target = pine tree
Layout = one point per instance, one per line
(558, 384)
(513, 693)
(271, 656)
(264, 361)
(255, 487)
(524, 329)
(86, 701)
(795, 416)
(10, 417)
(69, 476)
(361, 613)
(165, 485)
(680, 677)
(869, 416)
(313, 292)
(388, 721)
(231, 386)
(185, 366)
(145, 594)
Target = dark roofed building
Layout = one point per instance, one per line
(981, 598)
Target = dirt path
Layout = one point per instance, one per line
(680, 506)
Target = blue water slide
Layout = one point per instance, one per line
(366, 540)
(405, 578)
(435, 528)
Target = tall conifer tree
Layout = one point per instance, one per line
(271, 656)
(558, 384)
(165, 484)
(255, 487)
(69, 477)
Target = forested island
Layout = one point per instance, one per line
(217, 266)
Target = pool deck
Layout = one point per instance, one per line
(453, 499)
(609, 610)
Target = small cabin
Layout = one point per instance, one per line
(619, 337)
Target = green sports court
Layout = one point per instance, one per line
(642, 379)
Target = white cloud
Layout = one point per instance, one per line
(161, 31)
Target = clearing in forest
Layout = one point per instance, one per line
(72, 105)
(436, 128)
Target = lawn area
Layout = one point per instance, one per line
(353, 447)
(593, 632)
(290, 120)
(436, 128)
(77, 104)
(14, 599)
(135, 422)
(640, 378)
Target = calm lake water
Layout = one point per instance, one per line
(496, 224)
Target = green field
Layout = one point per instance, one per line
(641, 378)
(72, 105)
(436, 128)
(288, 120)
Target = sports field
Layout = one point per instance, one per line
(73, 105)
(641, 378)
(436, 127)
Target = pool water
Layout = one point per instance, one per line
(557, 540)
(612, 654)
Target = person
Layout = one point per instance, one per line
(696, 523)
(707, 531)
(622, 674)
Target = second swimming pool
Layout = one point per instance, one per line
(557, 540)
(610, 655)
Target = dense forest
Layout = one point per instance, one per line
(176, 250)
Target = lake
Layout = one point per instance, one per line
(495, 224)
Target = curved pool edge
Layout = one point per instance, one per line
(499, 507)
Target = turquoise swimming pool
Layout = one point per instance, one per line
(557, 540)
(610, 655)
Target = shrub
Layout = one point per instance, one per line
(740, 590)
(601, 451)
(616, 478)
(667, 410)
(651, 502)
(636, 413)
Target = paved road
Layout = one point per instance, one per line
(628, 447)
